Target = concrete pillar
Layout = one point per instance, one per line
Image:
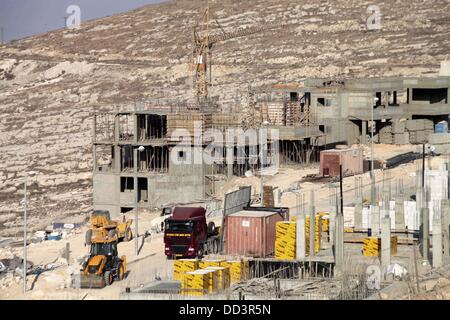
(312, 226)
(135, 128)
(425, 233)
(420, 194)
(445, 216)
(358, 213)
(364, 132)
(400, 212)
(332, 224)
(437, 240)
(375, 220)
(117, 159)
(301, 236)
(339, 243)
(385, 241)
(230, 161)
(448, 180)
(116, 129)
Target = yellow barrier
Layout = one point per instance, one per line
(223, 277)
(372, 246)
(181, 266)
(197, 283)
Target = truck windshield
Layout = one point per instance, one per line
(103, 249)
(179, 226)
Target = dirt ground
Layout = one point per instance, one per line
(151, 262)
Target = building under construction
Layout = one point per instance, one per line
(144, 150)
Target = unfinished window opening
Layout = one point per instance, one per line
(294, 152)
(154, 159)
(125, 210)
(152, 126)
(181, 155)
(324, 102)
(126, 184)
(142, 189)
(430, 95)
(378, 99)
(126, 125)
(294, 96)
(104, 156)
(126, 158)
(392, 98)
(322, 128)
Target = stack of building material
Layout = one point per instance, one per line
(205, 263)
(223, 277)
(401, 136)
(285, 241)
(276, 113)
(325, 218)
(419, 130)
(269, 201)
(192, 123)
(239, 270)
(198, 282)
(441, 141)
(292, 113)
(180, 267)
(372, 246)
(385, 135)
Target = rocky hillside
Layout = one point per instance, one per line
(50, 84)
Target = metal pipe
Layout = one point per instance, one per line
(423, 165)
(136, 214)
(372, 173)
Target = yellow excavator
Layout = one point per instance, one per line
(103, 265)
(101, 220)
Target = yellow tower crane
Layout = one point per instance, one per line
(203, 43)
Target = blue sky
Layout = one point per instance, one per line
(23, 18)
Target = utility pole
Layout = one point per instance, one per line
(372, 174)
(423, 165)
(25, 236)
(136, 204)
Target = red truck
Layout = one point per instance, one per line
(186, 234)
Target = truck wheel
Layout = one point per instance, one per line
(128, 235)
(108, 277)
(200, 252)
(211, 227)
(88, 237)
(216, 246)
(120, 272)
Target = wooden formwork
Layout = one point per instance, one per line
(188, 121)
(276, 113)
(223, 121)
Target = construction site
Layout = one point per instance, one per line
(295, 186)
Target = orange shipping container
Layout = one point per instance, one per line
(251, 233)
(351, 160)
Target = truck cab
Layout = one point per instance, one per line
(186, 233)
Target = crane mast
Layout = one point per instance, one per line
(203, 43)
